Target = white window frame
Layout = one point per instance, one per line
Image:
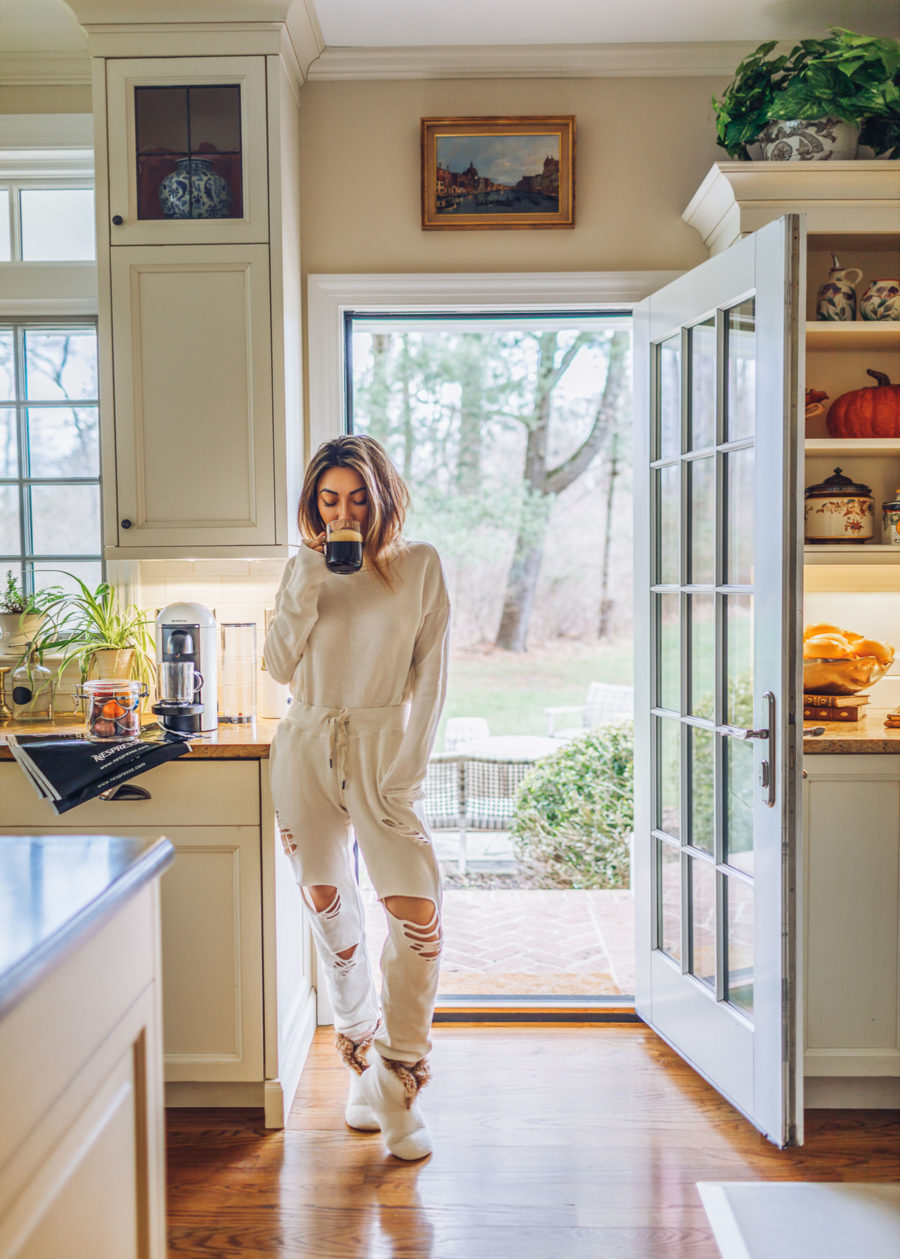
(330, 297)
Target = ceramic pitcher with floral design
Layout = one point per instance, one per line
(836, 299)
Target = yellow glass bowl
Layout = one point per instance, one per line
(841, 677)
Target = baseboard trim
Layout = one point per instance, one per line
(293, 1053)
(185, 1094)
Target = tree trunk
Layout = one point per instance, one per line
(607, 604)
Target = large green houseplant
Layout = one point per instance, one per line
(105, 638)
(854, 78)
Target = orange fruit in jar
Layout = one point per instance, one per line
(827, 647)
(813, 631)
(111, 710)
(882, 652)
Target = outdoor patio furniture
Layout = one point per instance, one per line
(605, 703)
(460, 731)
(475, 789)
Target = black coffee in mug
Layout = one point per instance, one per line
(343, 550)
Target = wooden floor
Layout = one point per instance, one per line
(551, 1143)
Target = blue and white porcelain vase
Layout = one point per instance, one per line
(195, 190)
(809, 140)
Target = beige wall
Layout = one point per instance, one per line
(642, 148)
(50, 99)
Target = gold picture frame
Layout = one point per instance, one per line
(526, 177)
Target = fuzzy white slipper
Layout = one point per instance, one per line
(390, 1090)
(359, 1114)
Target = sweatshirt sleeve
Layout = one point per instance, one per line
(405, 776)
(296, 611)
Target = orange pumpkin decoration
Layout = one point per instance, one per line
(873, 411)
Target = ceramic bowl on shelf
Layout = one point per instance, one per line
(842, 677)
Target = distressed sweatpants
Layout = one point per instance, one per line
(327, 766)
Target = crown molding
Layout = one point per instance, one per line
(550, 61)
(59, 69)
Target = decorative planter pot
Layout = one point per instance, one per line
(809, 140)
(15, 632)
(111, 662)
(881, 300)
(195, 190)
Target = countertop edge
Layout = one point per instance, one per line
(24, 975)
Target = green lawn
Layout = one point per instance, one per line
(511, 690)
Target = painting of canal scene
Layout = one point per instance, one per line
(498, 172)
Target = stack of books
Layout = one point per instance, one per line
(892, 720)
(833, 707)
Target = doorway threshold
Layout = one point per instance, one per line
(508, 1008)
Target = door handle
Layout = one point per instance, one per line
(767, 765)
(125, 791)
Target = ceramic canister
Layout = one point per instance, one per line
(890, 531)
(839, 510)
(881, 300)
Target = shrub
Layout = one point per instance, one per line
(575, 811)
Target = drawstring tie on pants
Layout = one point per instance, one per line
(339, 744)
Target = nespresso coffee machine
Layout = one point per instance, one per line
(186, 634)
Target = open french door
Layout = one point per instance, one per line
(717, 694)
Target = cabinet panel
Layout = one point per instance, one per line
(149, 130)
(193, 396)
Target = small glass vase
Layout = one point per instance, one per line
(32, 691)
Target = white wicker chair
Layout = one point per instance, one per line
(605, 703)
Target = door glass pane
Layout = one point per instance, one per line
(668, 637)
(703, 921)
(739, 659)
(60, 365)
(5, 238)
(669, 925)
(702, 498)
(739, 944)
(740, 354)
(9, 459)
(702, 805)
(739, 468)
(668, 445)
(702, 611)
(669, 500)
(9, 520)
(739, 804)
(57, 224)
(703, 385)
(63, 441)
(7, 367)
(669, 753)
(65, 519)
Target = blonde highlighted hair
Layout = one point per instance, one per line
(386, 491)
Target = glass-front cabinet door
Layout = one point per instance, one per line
(187, 150)
(717, 555)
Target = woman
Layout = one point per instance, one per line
(365, 656)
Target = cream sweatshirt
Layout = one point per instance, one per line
(344, 640)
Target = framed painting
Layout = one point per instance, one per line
(482, 173)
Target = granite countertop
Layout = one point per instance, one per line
(869, 736)
(57, 889)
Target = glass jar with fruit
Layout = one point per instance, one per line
(112, 709)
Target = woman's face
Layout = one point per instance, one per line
(341, 495)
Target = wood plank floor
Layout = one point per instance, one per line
(551, 1143)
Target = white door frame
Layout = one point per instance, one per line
(330, 296)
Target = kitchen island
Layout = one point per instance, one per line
(81, 1143)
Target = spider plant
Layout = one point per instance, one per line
(89, 621)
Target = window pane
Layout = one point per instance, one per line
(702, 497)
(669, 386)
(703, 921)
(5, 243)
(669, 907)
(64, 441)
(669, 754)
(739, 976)
(739, 466)
(739, 804)
(9, 520)
(703, 385)
(702, 611)
(65, 519)
(668, 690)
(739, 659)
(48, 574)
(669, 490)
(702, 810)
(740, 401)
(9, 460)
(7, 366)
(57, 224)
(60, 365)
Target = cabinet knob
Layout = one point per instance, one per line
(117, 220)
(126, 523)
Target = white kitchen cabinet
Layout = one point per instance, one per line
(193, 396)
(852, 937)
(238, 1003)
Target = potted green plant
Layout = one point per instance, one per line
(23, 613)
(817, 101)
(106, 640)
